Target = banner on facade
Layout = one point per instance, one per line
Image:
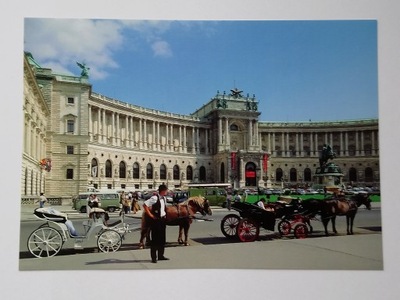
(265, 163)
(233, 160)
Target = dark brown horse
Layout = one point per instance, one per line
(331, 208)
(178, 215)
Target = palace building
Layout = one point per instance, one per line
(75, 138)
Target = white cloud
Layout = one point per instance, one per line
(161, 48)
(62, 42)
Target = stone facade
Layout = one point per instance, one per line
(95, 141)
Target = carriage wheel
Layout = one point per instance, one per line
(109, 241)
(248, 230)
(284, 227)
(229, 225)
(300, 231)
(45, 242)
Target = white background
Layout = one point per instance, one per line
(200, 284)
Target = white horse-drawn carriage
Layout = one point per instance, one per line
(48, 239)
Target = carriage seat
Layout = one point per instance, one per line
(50, 214)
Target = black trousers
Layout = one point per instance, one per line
(158, 228)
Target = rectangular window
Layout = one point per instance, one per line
(70, 173)
(70, 149)
(70, 126)
(70, 100)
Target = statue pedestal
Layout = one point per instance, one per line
(328, 176)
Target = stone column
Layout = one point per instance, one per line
(346, 143)
(113, 129)
(227, 138)
(118, 129)
(197, 140)
(145, 137)
(140, 134)
(250, 133)
(273, 150)
(301, 144)
(153, 140)
(90, 124)
(172, 147)
(104, 128)
(341, 144)
(166, 137)
(206, 142)
(184, 140)
(220, 131)
(126, 130)
(362, 144)
(193, 141)
(357, 152)
(158, 137)
(373, 152)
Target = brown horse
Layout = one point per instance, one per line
(331, 208)
(178, 215)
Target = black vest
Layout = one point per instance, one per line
(156, 207)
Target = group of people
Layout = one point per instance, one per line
(129, 202)
(229, 198)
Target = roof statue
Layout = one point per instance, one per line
(85, 69)
(236, 93)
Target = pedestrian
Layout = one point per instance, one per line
(155, 209)
(238, 198)
(126, 204)
(135, 205)
(229, 201)
(42, 200)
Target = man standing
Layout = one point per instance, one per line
(42, 200)
(155, 209)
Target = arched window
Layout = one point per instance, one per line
(202, 174)
(278, 174)
(94, 169)
(352, 174)
(163, 172)
(122, 170)
(234, 127)
(369, 175)
(293, 175)
(176, 172)
(149, 171)
(108, 168)
(222, 172)
(307, 174)
(135, 171)
(189, 173)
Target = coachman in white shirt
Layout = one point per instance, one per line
(155, 208)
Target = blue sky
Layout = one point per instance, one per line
(298, 70)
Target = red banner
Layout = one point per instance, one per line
(233, 160)
(265, 163)
(251, 174)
